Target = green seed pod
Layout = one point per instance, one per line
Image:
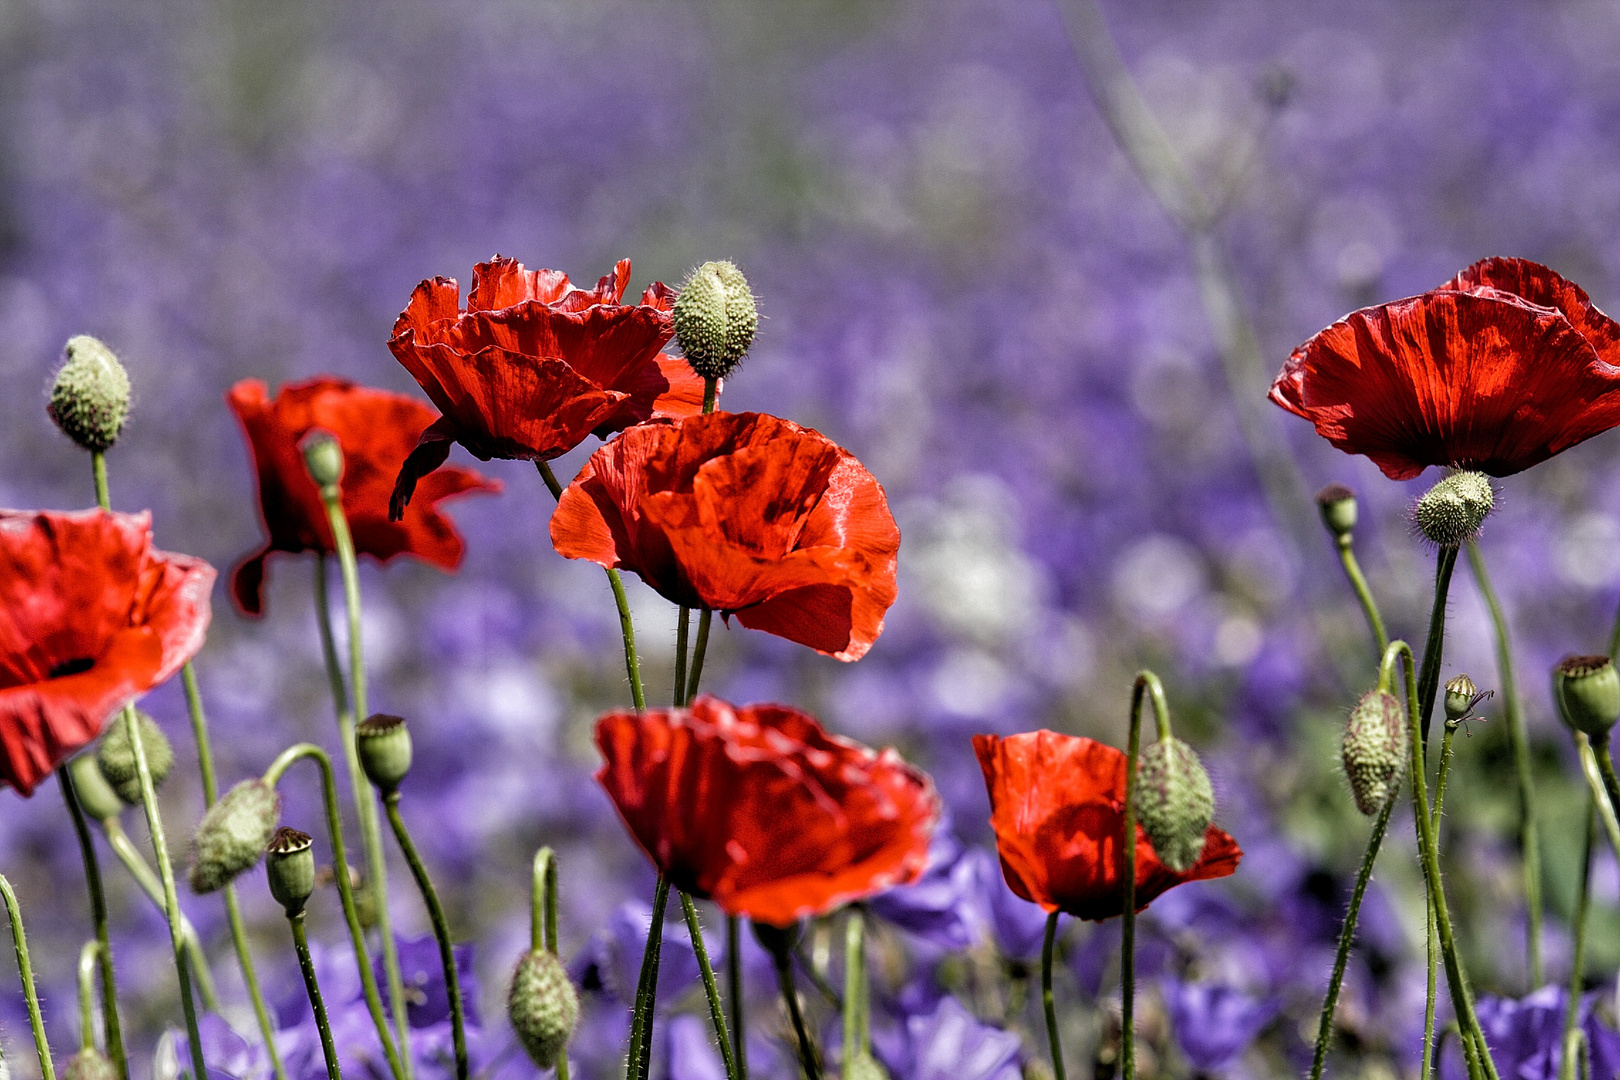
(1337, 504)
(1451, 512)
(116, 757)
(543, 1006)
(90, 399)
(1461, 695)
(1174, 802)
(1587, 690)
(289, 863)
(715, 319)
(1374, 750)
(233, 834)
(863, 1066)
(96, 796)
(90, 1064)
(323, 457)
(384, 744)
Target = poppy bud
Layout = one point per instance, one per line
(116, 757)
(1374, 750)
(96, 796)
(1587, 690)
(1338, 506)
(289, 863)
(1451, 512)
(90, 398)
(384, 744)
(1174, 802)
(89, 1064)
(323, 457)
(863, 1066)
(715, 319)
(233, 834)
(543, 1006)
(1461, 694)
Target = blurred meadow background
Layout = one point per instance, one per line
(964, 280)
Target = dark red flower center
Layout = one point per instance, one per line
(71, 667)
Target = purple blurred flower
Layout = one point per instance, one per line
(1214, 1023)
(948, 1043)
(611, 961)
(1526, 1036)
(427, 998)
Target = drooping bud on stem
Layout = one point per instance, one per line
(90, 398)
(1587, 690)
(1337, 504)
(715, 319)
(1374, 750)
(116, 757)
(1451, 512)
(289, 864)
(384, 744)
(543, 1006)
(96, 796)
(323, 457)
(233, 834)
(1174, 802)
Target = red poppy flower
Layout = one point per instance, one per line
(535, 364)
(1057, 805)
(745, 514)
(91, 616)
(761, 810)
(1501, 367)
(376, 430)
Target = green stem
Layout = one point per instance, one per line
(681, 627)
(543, 918)
(1358, 582)
(1048, 947)
(717, 1011)
(1605, 764)
(87, 993)
(441, 930)
(1147, 684)
(1430, 996)
(734, 992)
(1429, 680)
(1529, 832)
(698, 653)
(783, 959)
(98, 466)
(25, 971)
(113, 1031)
(1445, 770)
(340, 874)
(152, 886)
(171, 898)
(307, 966)
(1566, 1067)
(1594, 781)
(641, 1019)
(856, 1023)
(711, 395)
(365, 805)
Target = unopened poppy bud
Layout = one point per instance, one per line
(90, 1064)
(863, 1066)
(1587, 690)
(715, 319)
(90, 398)
(323, 457)
(1338, 506)
(116, 757)
(96, 796)
(1374, 750)
(543, 1006)
(233, 834)
(1461, 694)
(289, 863)
(384, 743)
(1174, 802)
(1451, 512)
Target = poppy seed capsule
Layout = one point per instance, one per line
(116, 757)
(1337, 504)
(233, 834)
(289, 864)
(96, 796)
(715, 319)
(1451, 512)
(1374, 750)
(1587, 690)
(89, 1064)
(1174, 802)
(90, 398)
(543, 1006)
(1460, 697)
(384, 743)
(323, 457)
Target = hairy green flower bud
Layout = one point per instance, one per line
(323, 457)
(96, 796)
(1451, 512)
(233, 834)
(1587, 690)
(1374, 750)
(384, 744)
(90, 1064)
(543, 1006)
(116, 756)
(715, 319)
(1174, 802)
(289, 863)
(863, 1066)
(1338, 506)
(90, 399)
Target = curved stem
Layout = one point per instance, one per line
(152, 886)
(340, 874)
(1594, 781)
(1566, 1067)
(171, 898)
(365, 806)
(734, 992)
(698, 652)
(1146, 683)
(25, 971)
(87, 993)
(307, 966)
(717, 1011)
(441, 930)
(112, 1030)
(1358, 582)
(1518, 735)
(641, 1019)
(1605, 764)
(1429, 679)
(543, 918)
(783, 959)
(1048, 946)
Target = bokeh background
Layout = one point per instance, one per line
(964, 280)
